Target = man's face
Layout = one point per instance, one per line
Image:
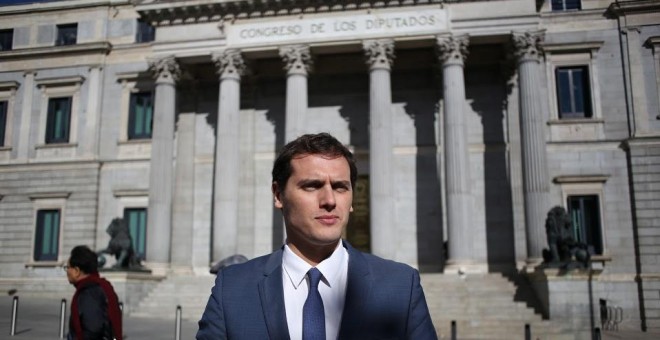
(316, 200)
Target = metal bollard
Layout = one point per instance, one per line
(453, 329)
(528, 332)
(597, 333)
(62, 317)
(177, 324)
(14, 315)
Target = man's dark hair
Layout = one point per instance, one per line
(310, 144)
(85, 259)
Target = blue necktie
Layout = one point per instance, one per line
(313, 314)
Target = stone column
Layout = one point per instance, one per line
(380, 54)
(452, 51)
(227, 156)
(166, 71)
(535, 169)
(183, 207)
(298, 63)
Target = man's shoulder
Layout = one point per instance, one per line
(253, 268)
(381, 266)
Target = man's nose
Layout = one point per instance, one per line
(327, 199)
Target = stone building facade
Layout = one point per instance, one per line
(470, 120)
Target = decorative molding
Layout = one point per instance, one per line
(580, 179)
(131, 76)
(130, 192)
(9, 85)
(165, 70)
(103, 47)
(527, 45)
(624, 8)
(573, 121)
(165, 13)
(47, 195)
(59, 81)
(571, 47)
(297, 58)
(452, 48)
(380, 53)
(230, 64)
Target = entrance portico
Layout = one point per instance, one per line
(281, 77)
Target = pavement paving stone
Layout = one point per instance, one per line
(39, 319)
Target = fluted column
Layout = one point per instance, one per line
(380, 54)
(227, 157)
(535, 173)
(298, 63)
(452, 51)
(166, 71)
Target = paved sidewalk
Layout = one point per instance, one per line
(39, 319)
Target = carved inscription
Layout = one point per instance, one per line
(328, 28)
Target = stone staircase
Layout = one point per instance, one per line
(482, 305)
(188, 291)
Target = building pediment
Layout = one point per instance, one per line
(177, 12)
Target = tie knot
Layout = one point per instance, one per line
(314, 277)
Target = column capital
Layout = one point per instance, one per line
(165, 70)
(527, 45)
(452, 49)
(230, 64)
(380, 53)
(298, 59)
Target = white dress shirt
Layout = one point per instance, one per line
(332, 289)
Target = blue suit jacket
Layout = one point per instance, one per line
(384, 300)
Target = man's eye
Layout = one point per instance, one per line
(341, 189)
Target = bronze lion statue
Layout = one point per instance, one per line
(121, 246)
(563, 248)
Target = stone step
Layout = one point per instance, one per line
(482, 305)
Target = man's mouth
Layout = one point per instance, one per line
(328, 219)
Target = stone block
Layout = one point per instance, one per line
(121, 28)
(21, 37)
(46, 35)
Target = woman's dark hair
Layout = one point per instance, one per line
(310, 144)
(85, 259)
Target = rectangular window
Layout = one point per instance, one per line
(66, 34)
(566, 5)
(145, 32)
(47, 238)
(3, 121)
(140, 115)
(6, 40)
(585, 217)
(573, 92)
(136, 218)
(59, 120)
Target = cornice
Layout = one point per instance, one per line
(623, 8)
(175, 12)
(57, 51)
(58, 6)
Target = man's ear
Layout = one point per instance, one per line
(277, 193)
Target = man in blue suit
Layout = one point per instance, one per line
(316, 286)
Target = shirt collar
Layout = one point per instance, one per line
(296, 268)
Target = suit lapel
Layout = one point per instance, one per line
(358, 286)
(272, 297)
